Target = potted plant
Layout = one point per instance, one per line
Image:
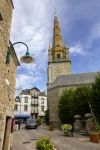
(44, 143)
(51, 126)
(66, 128)
(94, 135)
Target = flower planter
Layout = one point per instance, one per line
(66, 128)
(51, 128)
(94, 137)
(66, 132)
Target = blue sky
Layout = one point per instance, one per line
(32, 23)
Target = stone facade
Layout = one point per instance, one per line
(55, 69)
(58, 64)
(59, 74)
(62, 83)
(7, 76)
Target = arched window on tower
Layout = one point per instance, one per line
(58, 56)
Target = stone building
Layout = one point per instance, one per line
(30, 102)
(59, 74)
(8, 66)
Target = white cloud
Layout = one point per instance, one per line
(94, 35)
(33, 24)
(77, 49)
(26, 81)
(96, 31)
(83, 47)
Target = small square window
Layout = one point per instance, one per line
(26, 100)
(1, 18)
(16, 107)
(58, 56)
(42, 101)
(25, 108)
(42, 108)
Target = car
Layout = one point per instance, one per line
(31, 124)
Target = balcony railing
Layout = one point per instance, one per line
(35, 103)
(34, 111)
(34, 96)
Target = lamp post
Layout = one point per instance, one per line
(25, 59)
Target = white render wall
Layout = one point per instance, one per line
(21, 104)
(41, 113)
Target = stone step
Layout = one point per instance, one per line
(82, 132)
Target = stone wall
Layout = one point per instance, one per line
(7, 72)
(53, 97)
(56, 69)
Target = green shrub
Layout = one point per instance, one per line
(46, 117)
(72, 102)
(66, 128)
(95, 98)
(38, 121)
(44, 144)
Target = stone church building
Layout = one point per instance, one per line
(59, 73)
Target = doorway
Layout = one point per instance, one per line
(7, 132)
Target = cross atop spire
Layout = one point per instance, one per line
(55, 12)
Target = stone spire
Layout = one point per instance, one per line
(57, 37)
(58, 56)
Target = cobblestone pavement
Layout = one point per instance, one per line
(26, 140)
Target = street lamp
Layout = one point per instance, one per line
(25, 59)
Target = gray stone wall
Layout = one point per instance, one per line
(56, 69)
(53, 96)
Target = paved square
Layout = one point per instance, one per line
(26, 140)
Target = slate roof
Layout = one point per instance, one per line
(42, 94)
(74, 79)
(35, 88)
(26, 92)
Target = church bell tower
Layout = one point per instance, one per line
(58, 55)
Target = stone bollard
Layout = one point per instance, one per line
(90, 126)
(77, 123)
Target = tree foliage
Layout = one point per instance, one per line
(65, 106)
(72, 102)
(81, 98)
(95, 98)
(79, 101)
(46, 117)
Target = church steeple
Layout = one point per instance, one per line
(58, 55)
(57, 37)
(58, 51)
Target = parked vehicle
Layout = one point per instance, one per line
(31, 123)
